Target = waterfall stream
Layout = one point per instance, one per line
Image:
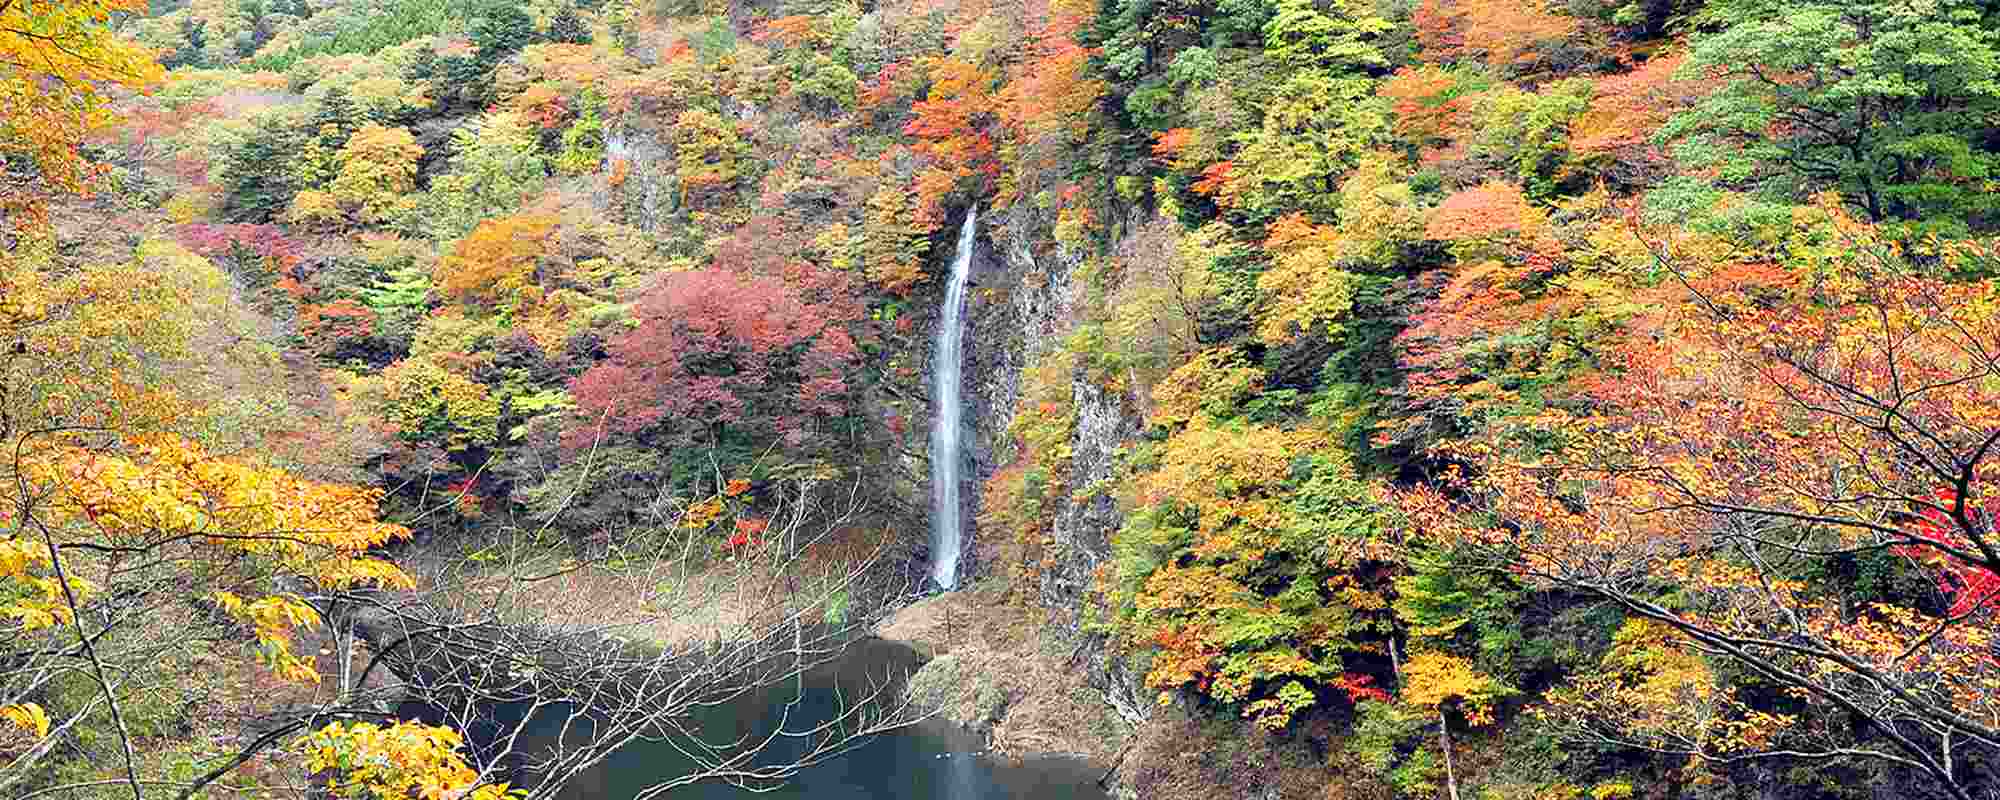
(947, 460)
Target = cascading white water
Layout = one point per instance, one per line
(946, 461)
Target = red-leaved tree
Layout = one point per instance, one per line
(716, 349)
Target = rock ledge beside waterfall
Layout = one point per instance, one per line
(992, 669)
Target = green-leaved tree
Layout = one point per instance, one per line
(1889, 102)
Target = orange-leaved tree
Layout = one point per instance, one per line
(1501, 33)
(1780, 433)
(1523, 314)
(955, 127)
(495, 264)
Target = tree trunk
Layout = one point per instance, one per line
(343, 653)
(1450, 774)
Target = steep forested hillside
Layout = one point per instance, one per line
(1427, 398)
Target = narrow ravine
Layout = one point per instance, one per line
(947, 460)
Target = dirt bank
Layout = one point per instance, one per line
(994, 671)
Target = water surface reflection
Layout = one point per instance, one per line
(932, 760)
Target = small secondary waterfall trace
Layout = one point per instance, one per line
(947, 460)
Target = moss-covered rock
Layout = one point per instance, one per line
(964, 688)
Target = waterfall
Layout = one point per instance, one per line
(947, 461)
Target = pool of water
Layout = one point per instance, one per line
(931, 760)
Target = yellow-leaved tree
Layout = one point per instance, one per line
(1435, 682)
(58, 58)
(131, 515)
(404, 759)
(378, 173)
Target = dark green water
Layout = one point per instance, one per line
(932, 760)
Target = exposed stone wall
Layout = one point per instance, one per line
(1026, 305)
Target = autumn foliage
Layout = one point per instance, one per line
(62, 63)
(1969, 586)
(404, 759)
(1500, 32)
(1776, 418)
(1495, 398)
(716, 350)
(496, 263)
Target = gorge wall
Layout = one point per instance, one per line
(1021, 306)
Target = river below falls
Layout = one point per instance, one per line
(930, 760)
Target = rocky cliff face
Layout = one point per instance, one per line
(1034, 679)
(1024, 307)
(647, 195)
